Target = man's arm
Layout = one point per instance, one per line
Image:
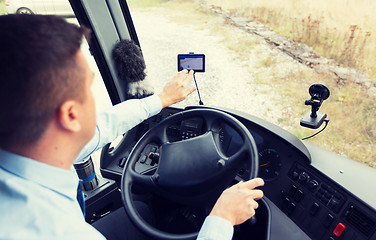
(235, 205)
(124, 116)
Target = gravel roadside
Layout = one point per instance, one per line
(227, 82)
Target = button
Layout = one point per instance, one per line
(328, 220)
(122, 162)
(337, 195)
(143, 159)
(283, 193)
(333, 203)
(324, 200)
(290, 208)
(313, 184)
(299, 195)
(303, 177)
(285, 203)
(154, 158)
(328, 195)
(314, 209)
(295, 175)
(292, 190)
(339, 229)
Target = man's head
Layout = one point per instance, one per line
(41, 68)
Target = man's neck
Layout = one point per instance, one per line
(58, 152)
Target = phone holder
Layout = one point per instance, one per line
(314, 119)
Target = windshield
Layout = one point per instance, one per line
(261, 57)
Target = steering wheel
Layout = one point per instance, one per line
(190, 171)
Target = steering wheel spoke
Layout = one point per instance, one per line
(242, 152)
(143, 180)
(211, 123)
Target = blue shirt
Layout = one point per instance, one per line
(38, 201)
(119, 119)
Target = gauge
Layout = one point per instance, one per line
(269, 164)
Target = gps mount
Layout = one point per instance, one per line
(314, 119)
(195, 62)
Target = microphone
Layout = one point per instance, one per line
(130, 67)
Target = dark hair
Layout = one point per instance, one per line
(38, 72)
(129, 62)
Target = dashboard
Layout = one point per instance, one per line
(317, 206)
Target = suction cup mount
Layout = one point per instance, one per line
(314, 119)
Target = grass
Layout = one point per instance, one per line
(351, 131)
(268, 62)
(343, 31)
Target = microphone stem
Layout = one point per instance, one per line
(198, 92)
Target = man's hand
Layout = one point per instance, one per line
(238, 203)
(175, 90)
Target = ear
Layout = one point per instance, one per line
(68, 116)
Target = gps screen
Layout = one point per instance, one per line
(195, 62)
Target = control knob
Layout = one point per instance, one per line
(303, 177)
(313, 184)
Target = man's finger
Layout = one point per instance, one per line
(254, 204)
(188, 78)
(253, 183)
(183, 72)
(190, 90)
(257, 194)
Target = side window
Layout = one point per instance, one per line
(102, 100)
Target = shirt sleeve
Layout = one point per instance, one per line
(216, 228)
(119, 119)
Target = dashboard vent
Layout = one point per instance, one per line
(360, 220)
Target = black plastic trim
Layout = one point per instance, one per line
(96, 51)
(277, 131)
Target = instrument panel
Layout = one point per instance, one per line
(318, 205)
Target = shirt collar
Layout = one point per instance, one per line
(62, 181)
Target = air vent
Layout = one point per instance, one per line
(360, 220)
